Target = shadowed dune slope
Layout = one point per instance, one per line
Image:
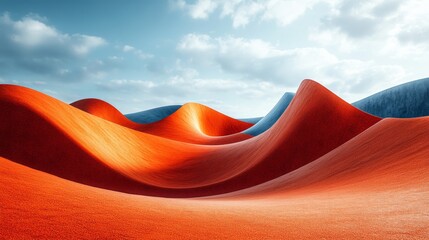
(40, 132)
(393, 154)
(193, 170)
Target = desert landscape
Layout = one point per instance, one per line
(314, 167)
(214, 119)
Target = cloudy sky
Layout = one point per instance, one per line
(237, 56)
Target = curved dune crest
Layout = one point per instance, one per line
(103, 110)
(199, 119)
(312, 168)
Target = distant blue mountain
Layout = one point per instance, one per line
(267, 121)
(251, 120)
(403, 101)
(153, 115)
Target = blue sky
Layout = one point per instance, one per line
(237, 56)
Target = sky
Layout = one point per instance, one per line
(236, 56)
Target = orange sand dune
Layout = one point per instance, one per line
(344, 210)
(194, 170)
(392, 155)
(193, 123)
(196, 123)
(104, 110)
(323, 170)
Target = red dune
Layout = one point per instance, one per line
(193, 123)
(324, 170)
(104, 110)
(392, 155)
(389, 204)
(196, 123)
(197, 169)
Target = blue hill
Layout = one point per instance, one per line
(152, 115)
(403, 101)
(267, 121)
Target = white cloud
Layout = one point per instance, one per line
(126, 85)
(207, 85)
(84, 44)
(415, 34)
(139, 53)
(128, 48)
(285, 12)
(201, 9)
(30, 45)
(360, 77)
(391, 27)
(257, 59)
(242, 12)
(360, 19)
(196, 43)
(30, 33)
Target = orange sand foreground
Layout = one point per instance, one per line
(324, 170)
